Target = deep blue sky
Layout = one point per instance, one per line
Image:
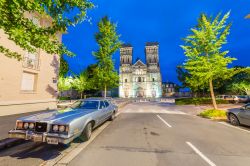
(164, 21)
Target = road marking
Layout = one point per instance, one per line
(164, 121)
(70, 153)
(201, 154)
(229, 125)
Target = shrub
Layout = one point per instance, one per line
(213, 114)
(198, 101)
(64, 98)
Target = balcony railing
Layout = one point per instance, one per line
(31, 63)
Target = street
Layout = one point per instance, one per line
(148, 134)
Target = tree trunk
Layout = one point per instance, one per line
(81, 94)
(105, 91)
(212, 93)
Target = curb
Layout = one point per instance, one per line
(9, 142)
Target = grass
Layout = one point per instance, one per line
(213, 114)
(198, 101)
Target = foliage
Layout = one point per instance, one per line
(198, 101)
(206, 61)
(108, 42)
(64, 67)
(241, 87)
(63, 98)
(30, 36)
(80, 83)
(64, 83)
(213, 114)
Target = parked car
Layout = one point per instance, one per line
(243, 99)
(63, 126)
(231, 98)
(239, 116)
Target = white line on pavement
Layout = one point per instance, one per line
(201, 154)
(229, 125)
(164, 121)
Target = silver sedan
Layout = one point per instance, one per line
(63, 126)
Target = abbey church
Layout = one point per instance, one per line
(139, 79)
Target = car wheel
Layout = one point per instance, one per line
(86, 134)
(112, 117)
(234, 120)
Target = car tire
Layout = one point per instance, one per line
(112, 117)
(234, 120)
(86, 134)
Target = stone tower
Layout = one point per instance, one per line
(126, 52)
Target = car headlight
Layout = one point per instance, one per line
(61, 128)
(19, 125)
(26, 125)
(55, 128)
(31, 126)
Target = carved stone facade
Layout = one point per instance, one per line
(140, 80)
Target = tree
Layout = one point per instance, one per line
(64, 84)
(64, 67)
(108, 42)
(80, 83)
(241, 87)
(30, 36)
(205, 59)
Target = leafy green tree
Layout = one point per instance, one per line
(30, 36)
(80, 83)
(64, 67)
(108, 42)
(241, 87)
(205, 59)
(64, 84)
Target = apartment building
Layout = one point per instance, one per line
(30, 84)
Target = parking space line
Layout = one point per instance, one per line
(229, 125)
(166, 123)
(200, 154)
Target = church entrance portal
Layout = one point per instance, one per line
(140, 92)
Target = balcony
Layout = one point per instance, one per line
(31, 63)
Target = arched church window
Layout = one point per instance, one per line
(139, 79)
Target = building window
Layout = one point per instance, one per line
(126, 80)
(139, 79)
(28, 81)
(153, 80)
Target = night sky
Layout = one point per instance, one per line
(141, 21)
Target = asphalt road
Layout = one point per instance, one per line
(148, 134)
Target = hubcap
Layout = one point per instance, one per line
(233, 120)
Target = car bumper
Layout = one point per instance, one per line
(40, 137)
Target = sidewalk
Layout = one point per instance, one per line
(195, 110)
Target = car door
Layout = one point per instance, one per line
(247, 114)
(102, 111)
(244, 115)
(109, 110)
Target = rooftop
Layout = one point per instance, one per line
(152, 44)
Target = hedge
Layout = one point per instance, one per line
(198, 101)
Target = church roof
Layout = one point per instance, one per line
(139, 62)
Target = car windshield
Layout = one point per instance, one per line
(86, 105)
